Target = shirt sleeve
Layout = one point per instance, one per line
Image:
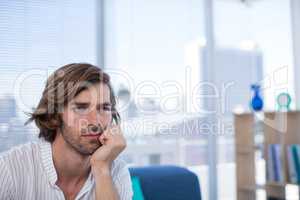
(6, 182)
(122, 180)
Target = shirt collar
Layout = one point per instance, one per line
(48, 164)
(46, 154)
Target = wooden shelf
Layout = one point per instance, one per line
(277, 128)
(251, 188)
(276, 184)
(247, 149)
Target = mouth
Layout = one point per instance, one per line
(92, 131)
(91, 135)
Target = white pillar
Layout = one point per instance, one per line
(295, 19)
(208, 75)
(100, 14)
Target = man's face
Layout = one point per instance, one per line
(85, 117)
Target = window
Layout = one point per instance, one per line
(262, 27)
(36, 37)
(152, 48)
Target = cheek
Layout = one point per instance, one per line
(81, 122)
(70, 118)
(75, 122)
(106, 119)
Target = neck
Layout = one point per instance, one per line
(70, 165)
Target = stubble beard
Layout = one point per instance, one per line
(86, 149)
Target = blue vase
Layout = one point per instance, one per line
(256, 102)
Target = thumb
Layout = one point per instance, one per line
(102, 138)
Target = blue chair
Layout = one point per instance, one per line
(167, 183)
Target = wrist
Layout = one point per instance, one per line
(99, 168)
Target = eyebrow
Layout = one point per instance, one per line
(88, 103)
(81, 103)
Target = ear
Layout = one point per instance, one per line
(55, 121)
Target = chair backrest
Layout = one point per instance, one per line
(167, 183)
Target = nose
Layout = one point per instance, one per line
(94, 117)
(95, 128)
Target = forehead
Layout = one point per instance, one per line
(98, 92)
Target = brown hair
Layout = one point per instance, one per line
(61, 87)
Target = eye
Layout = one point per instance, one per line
(80, 109)
(107, 108)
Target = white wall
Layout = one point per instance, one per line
(295, 17)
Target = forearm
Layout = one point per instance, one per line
(105, 189)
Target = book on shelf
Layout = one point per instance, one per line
(274, 164)
(275, 172)
(292, 173)
(293, 156)
(270, 171)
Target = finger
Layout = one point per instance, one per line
(106, 136)
(101, 139)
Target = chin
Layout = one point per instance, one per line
(90, 150)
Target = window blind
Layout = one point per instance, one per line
(36, 37)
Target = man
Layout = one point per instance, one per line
(77, 155)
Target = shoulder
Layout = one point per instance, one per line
(122, 179)
(17, 157)
(20, 151)
(119, 166)
(120, 171)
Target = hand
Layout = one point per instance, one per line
(113, 143)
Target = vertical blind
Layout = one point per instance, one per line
(37, 37)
